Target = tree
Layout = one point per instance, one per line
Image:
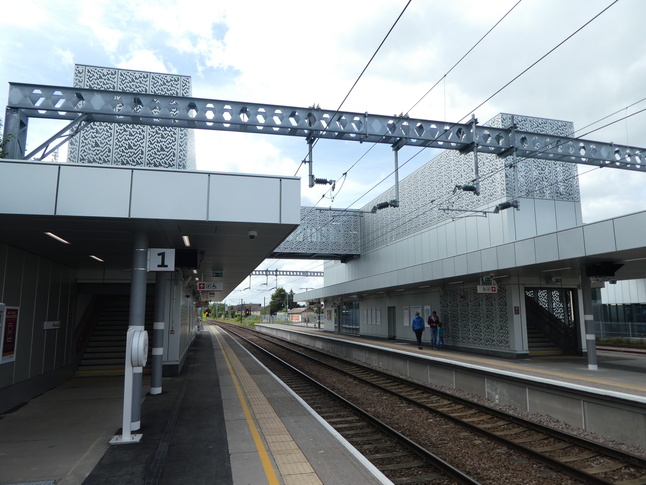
(282, 301)
(277, 302)
(3, 143)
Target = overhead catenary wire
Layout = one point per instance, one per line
(443, 77)
(494, 94)
(439, 203)
(506, 85)
(383, 41)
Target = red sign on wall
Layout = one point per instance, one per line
(9, 334)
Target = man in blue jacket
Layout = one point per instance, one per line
(418, 328)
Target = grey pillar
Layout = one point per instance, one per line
(15, 133)
(138, 315)
(158, 333)
(588, 320)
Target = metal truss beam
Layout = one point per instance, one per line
(57, 102)
(280, 272)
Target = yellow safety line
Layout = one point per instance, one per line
(264, 457)
(87, 452)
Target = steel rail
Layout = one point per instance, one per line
(423, 453)
(549, 432)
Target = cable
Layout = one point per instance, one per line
(436, 83)
(611, 114)
(486, 100)
(463, 57)
(510, 82)
(361, 74)
(540, 59)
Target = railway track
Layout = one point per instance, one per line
(563, 458)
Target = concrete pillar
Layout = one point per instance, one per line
(138, 316)
(588, 319)
(158, 333)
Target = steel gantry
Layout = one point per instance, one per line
(89, 105)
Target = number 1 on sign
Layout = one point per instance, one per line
(161, 260)
(162, 256)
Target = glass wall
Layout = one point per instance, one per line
(350, 318)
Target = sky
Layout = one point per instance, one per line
(541, 59)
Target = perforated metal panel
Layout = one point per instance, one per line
(424, 193)
(324, 232)
(132, 145)
(475, 319)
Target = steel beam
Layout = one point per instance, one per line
(58, 102)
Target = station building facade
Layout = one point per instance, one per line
(446, 249)
(123, 190)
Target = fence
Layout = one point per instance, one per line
(634, 330)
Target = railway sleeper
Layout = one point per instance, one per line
(635, 481)
(402, 466)
(424, 479)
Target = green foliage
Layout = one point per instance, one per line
(622, 341)
(3, 143)
(282, 301)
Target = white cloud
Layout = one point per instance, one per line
(65, 56)
(143, 60)
(611, 193)
(26, 14)
(94, 15)
(299, 53)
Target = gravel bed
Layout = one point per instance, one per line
(483, 459)
(469, 451)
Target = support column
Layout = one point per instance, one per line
(138, 316)
(15, 133)
(158, 333)
(588, 320)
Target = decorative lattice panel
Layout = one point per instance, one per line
(324, 232)
(473, 319)
(132, 145)
(424, 193)
(555, 301)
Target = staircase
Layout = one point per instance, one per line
(539, 344)
(106, 349)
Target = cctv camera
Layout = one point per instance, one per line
(253, 234)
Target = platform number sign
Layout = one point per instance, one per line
(161, 260)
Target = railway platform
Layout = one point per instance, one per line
(620, 370)
(223, 420)
(609, 401)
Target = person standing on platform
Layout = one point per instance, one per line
(433, 320)
(440, 335)
(418, 328)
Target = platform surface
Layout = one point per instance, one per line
(617, 371)
(197, 430)
(223, 420)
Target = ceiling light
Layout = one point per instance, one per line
(96, 258)
(187, 241)
(400, 289)
(194, 271)
(455, 282)
(59, 239)
(555, 269)
(425, 286)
